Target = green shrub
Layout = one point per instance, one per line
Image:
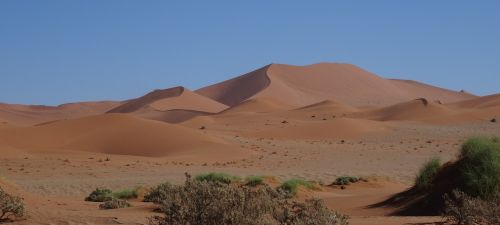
(125, 194)
(10, 206)
(204, 203)
(254, 181)
(99, 195)
(345, 180)
(158, 193)
(114, 203)
(480, 167)
(291, 186)
(427, 173)
(217, 177)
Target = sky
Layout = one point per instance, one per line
(53, 52)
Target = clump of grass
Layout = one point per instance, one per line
(126, 193)
(345, 180)
(291, 186)
(427, 173)
(480, 167)
(217, 177)
(254, 181)
(103, 195)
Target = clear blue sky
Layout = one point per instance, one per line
(53, 52)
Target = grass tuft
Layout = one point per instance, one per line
(292, 185)
(254, 180)
(217, 177)
(427, 173)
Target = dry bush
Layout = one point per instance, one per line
(10, 206)
(114, 203)
(463, 209)
(202, 202)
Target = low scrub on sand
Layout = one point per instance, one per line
(158, 193)
(475, 175)
(254, 180)
(345, 180)
(10, 206)
(202, 202)
(114, 203)
(291, 186)
(219, 177)
(103, 195)
(128, 193)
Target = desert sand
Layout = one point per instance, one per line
(316, 122)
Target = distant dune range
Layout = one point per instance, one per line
(278, 101)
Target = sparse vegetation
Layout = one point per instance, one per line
(472, 181)
(291, 186)
(254, 181)
(217, 177)
(345, 180)
(114, 203)
(103, 195)
(99, 195)
(202, 202)
(427, 173)
(125, 193)
(10, 206)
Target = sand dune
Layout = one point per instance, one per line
(304, 85)
(480, 102)
(118, 134)
(26, 115)
(258, 105)
(415, 110)
(170, 99)
(328, 106)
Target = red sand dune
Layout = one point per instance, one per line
(118, 134)
(480, 102)
(258, 105)
(173, 105)
(25, 115)
(328, 106)
(169, 99)
(415, 110)
(303, 85)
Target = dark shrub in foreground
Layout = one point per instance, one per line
(202, 202)
(10, 206)
(114, 203)
(158, 193)
(463, 209)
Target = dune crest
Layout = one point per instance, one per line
(170, 99)
(304, 85)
